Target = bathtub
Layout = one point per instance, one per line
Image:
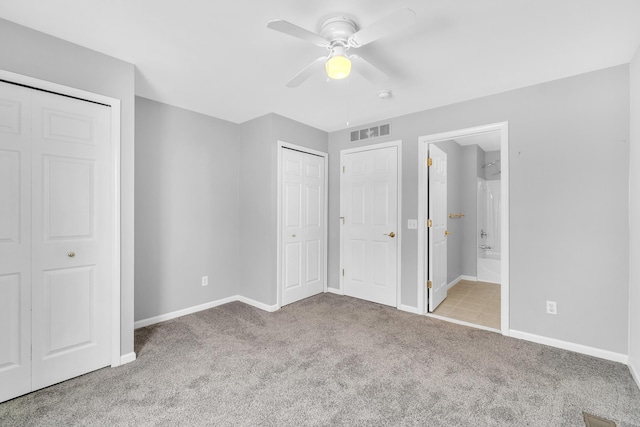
(489, 269)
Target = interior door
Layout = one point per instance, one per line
(369, 205)
(438, 228)
(71, 275)
(15, 241)
(303, 222)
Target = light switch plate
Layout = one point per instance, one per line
(412, 224)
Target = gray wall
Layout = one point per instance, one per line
(257, 277)
(558, 252)
(634, 253)
(489, 171)
(258, 191)
(206, 205)
(472, 159)
(187, 208)
(454, 205)
(31, 53)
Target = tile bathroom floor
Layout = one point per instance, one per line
(474, 302)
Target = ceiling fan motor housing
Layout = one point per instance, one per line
(338, 29)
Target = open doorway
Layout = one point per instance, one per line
(463, 248)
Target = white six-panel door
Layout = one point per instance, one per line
(15, 241)
(438, 230)
(302, 228)
(71, 251)
(63, 272)
(369, 206)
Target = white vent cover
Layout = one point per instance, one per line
(370, 133)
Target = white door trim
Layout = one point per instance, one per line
(397, 144)
(325, 156)
(423, 141)
(115, 187)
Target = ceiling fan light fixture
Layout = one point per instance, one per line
(338, 67)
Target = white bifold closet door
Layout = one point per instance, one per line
(55, 231)
(303, 222)
(15, 242)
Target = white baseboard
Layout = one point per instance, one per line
(183, 312)
(190, 310)
(578, 348)
(408, 309)
(257, 304)
(454, 282)
(469, 278)
(127, 358)
(335, 291)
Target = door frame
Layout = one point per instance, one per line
(423, 173)
(114, 196)
(325, 156)
(398, 145)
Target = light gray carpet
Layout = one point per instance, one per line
(332, 360)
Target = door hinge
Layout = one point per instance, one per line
(429, 223)
(429, 284)
(342, 219)
(343, 169)
(429, 161)
(343, 272)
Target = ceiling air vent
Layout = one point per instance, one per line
(370, 133)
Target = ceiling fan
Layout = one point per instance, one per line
(338, 34)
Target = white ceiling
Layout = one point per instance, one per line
(218, 58)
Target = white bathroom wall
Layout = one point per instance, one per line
(493, 201)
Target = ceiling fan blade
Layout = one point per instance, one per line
(387, 25)
(303, 75)
(295, 31)
(367, 70)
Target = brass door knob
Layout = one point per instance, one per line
(392, 234)
(71, 254)
(447, 232)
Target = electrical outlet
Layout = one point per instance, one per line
(205, 280)
(551, 307)
(412, 224)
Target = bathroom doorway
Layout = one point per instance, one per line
(476, 266)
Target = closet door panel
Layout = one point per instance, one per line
(71, 275)
(15, 241)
